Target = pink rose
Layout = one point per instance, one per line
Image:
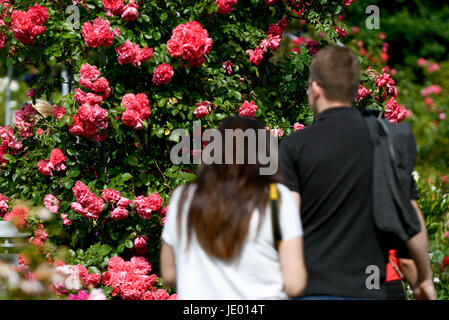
(140, 244)
(52, 203)
(298, 126)
(111, 195)
(119, 213)
(131, 12)
(163, 74)
(248, 109)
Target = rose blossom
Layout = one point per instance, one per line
(65, 220)
(131, 11)
(56, 157)
(111, 195)
(130, 53)
(248, 109)
(87, 203)
(141, 246)
(45, 167)
(98, 33)
(3, 204)
(362, 93)
(146, 205)
(58, 111)
(255, 56)
(17, 216)
(27, 25)
(52, 203)
(203, 109)
(137, 110)
(113, 7)
(228, 65)
(225, 6)
(123, 202)
(119, 213)
(163, 74)
(341, 32)
(190, 42)
(298, 126)
(393, 111)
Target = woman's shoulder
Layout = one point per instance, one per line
(282, 188)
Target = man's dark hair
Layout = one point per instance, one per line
(337, 70)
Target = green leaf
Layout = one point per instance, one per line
(129, 244)
(67, 183)
(105, 249)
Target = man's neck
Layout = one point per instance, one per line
(333, 104)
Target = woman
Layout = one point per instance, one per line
(218, 239)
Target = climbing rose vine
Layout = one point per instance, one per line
(96, 165)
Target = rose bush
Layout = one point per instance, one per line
(138, 70)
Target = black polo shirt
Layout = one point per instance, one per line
(330, 164)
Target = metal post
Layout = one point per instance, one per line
(65, 84)
(8, 97)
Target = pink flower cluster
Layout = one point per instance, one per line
(131, 280)
(87, 203)
(362, 93)
(393, 111)
(248, 109)
(95, 294)
(385, 81)
(190, 42)
(3, 205)
(2, 41)
(298, 126)
(432, 89)
(128, 12)
(277, 132)
(299, 6)
(341, 32)
(347, 3)
(137, 110)
(141, 245)
(145, 206)
(55, 163)
(225, 6)
(431, 67)
(272, 41)
(130, 53)
(91, 116)
(203, 109)
(9, 143)
(228, 65)
(24, 120)
(39, 236)
(119, 203)
(163, 74)
(58, 111)
(17, 216)
(98, 33)
(313, 47)
(77, 275)
(27, 25)
(52, 203)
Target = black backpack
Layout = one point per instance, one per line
(394, 159)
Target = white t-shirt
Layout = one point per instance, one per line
(254, 274)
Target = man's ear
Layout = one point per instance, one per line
(317, 90)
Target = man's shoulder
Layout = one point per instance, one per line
(299, 136)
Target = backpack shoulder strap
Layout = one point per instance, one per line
(274, 206)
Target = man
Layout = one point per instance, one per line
(328, 168)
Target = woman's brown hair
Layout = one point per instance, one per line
(227, 194)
